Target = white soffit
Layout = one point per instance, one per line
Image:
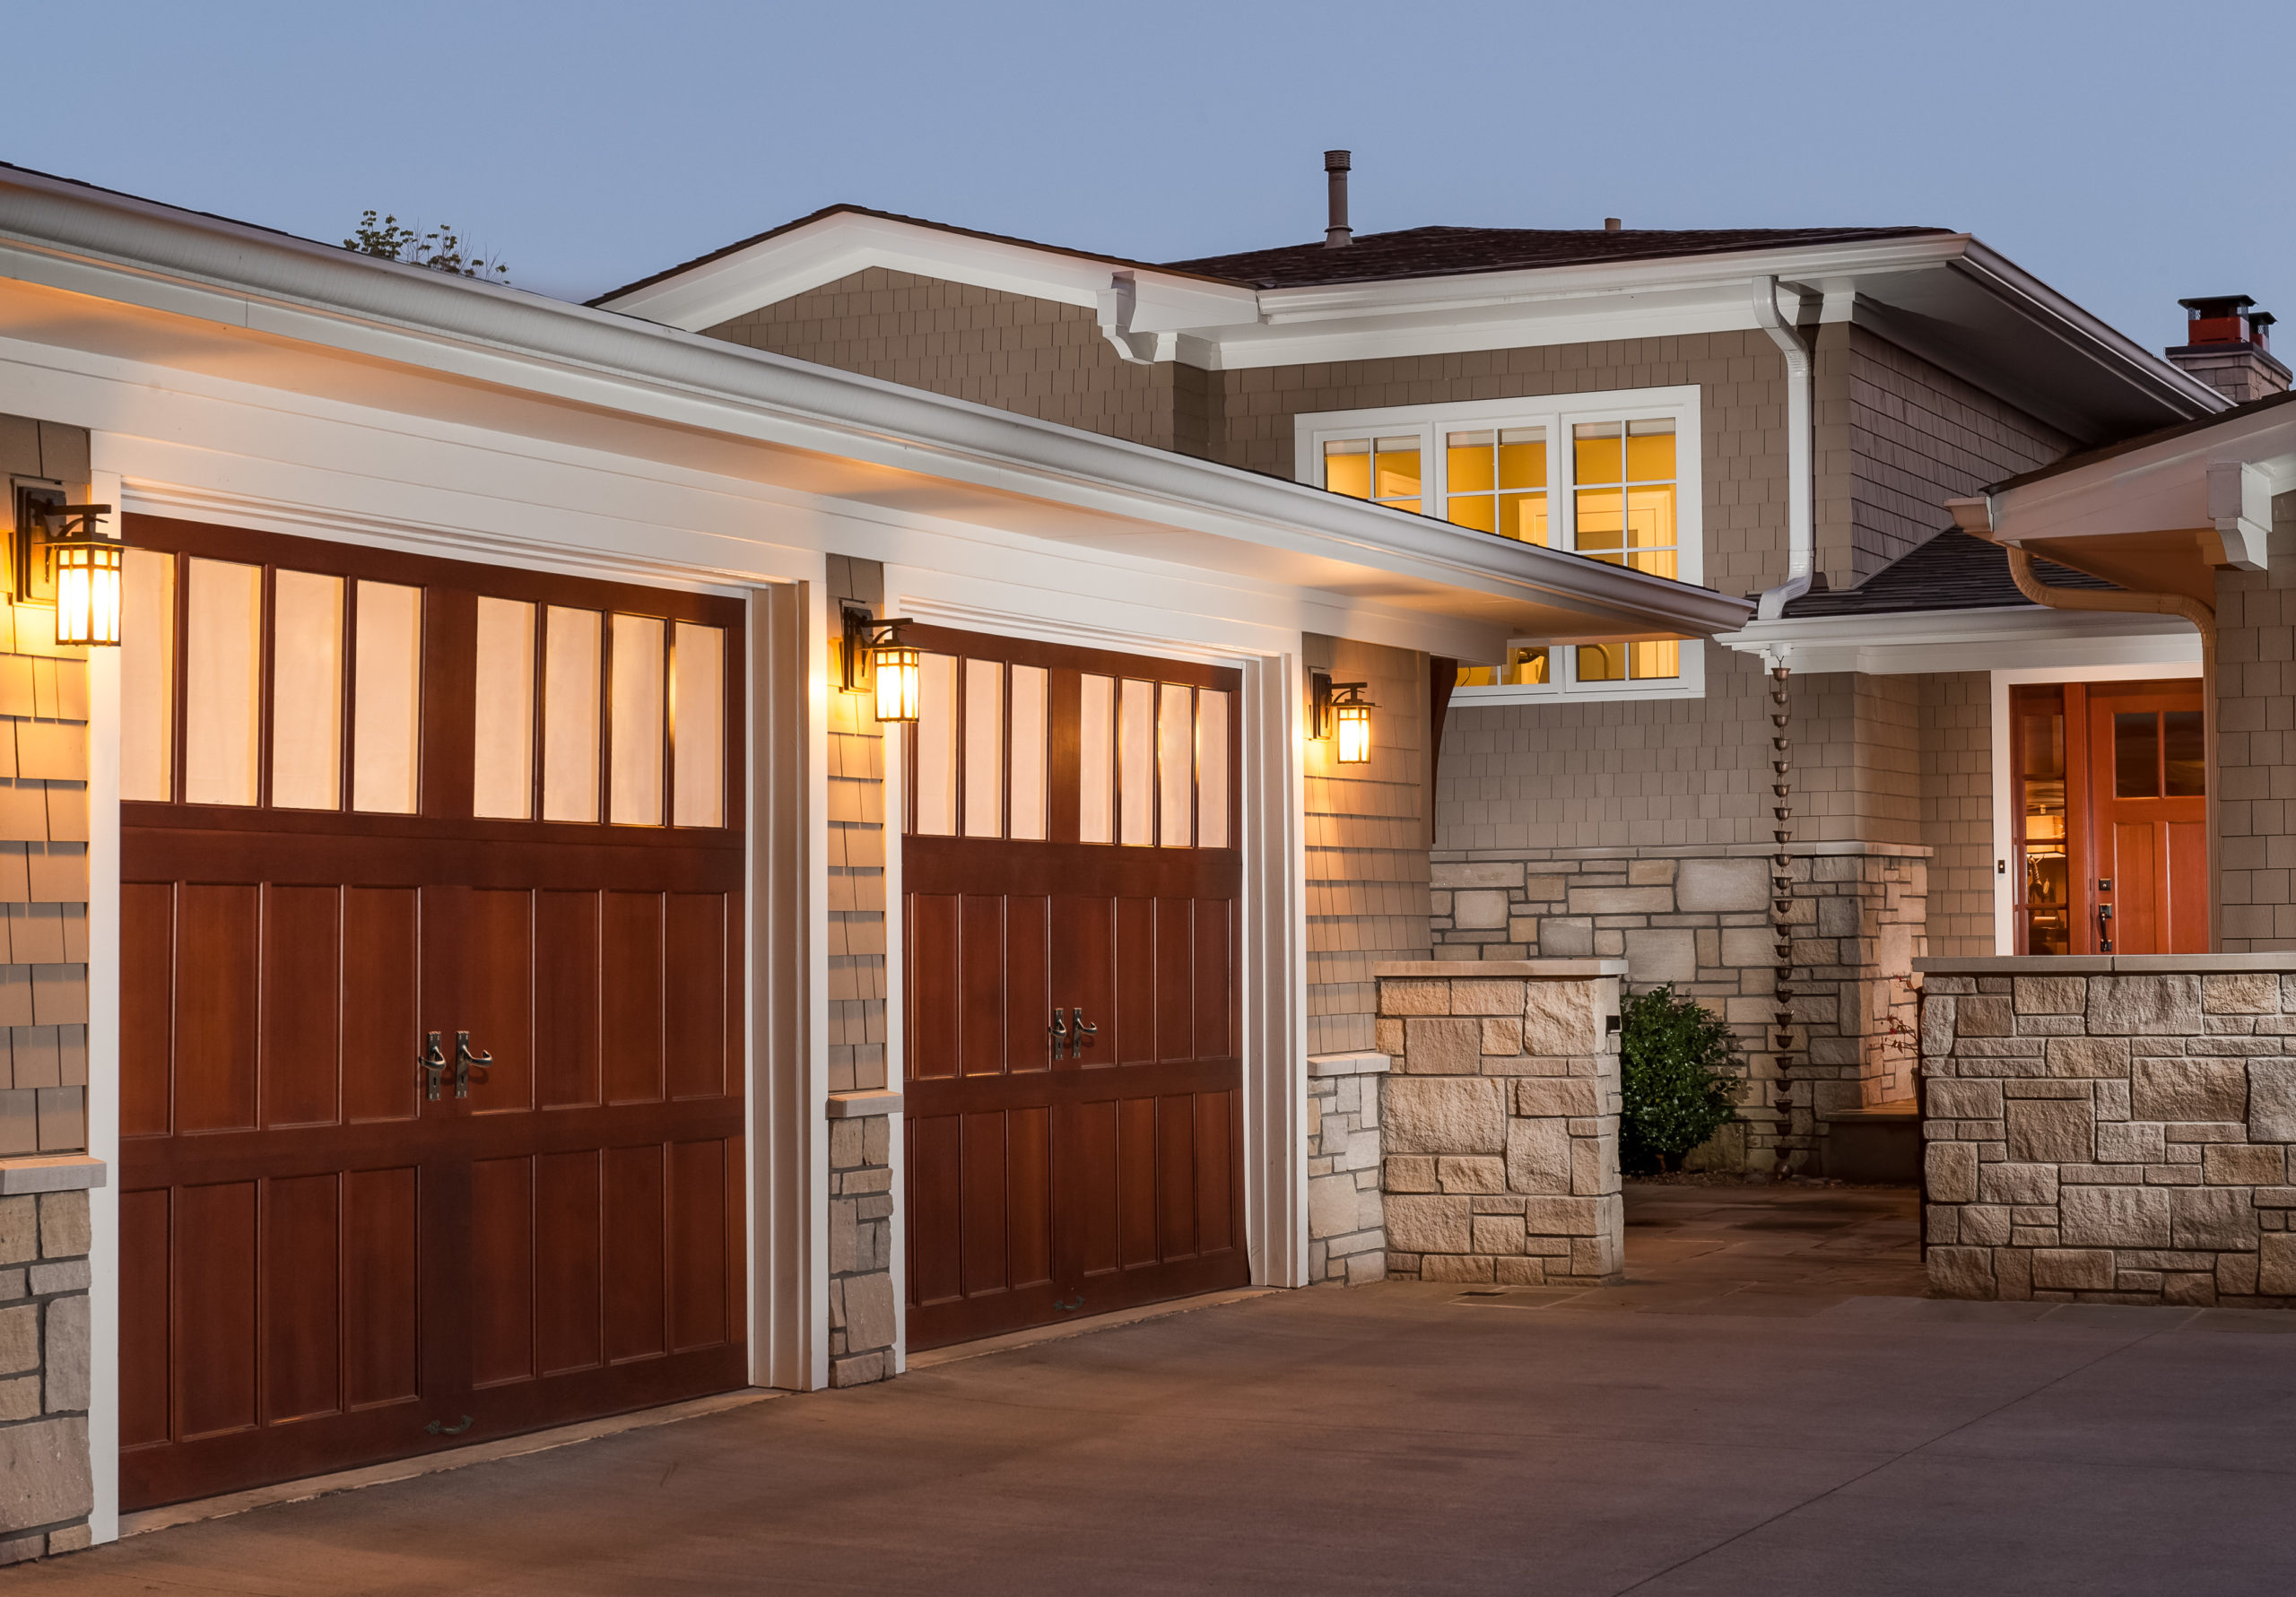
(2004, 639)
(2178, 482)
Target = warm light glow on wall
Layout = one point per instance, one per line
(1352, 734)
(898, 671)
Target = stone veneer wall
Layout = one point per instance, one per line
(1347, 1236)
(46, 1489)
(861, 1286)
(1701, 921)
(1500, 1120)
(2113, 1129)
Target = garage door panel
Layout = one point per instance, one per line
(699, 1298)
(302, 1005)
(301, 1297)
(569, 1263)
(380, 1034)
(380, 1246)
(566, 998)
(218, 953)
(146, 1007)
(213, 1281)
(698, 1013)
(634, 1208)
(632, 949)
(502, 1255)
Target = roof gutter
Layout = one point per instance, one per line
(1801, 531)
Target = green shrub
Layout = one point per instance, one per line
(1674, 1064)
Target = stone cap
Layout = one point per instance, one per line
(51, 1173)
(874, 1100)
(2104, 964)
(1493, 969)
(1366, 1064)
(1907, 1110)
(1681, 851)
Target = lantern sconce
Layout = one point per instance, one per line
(84, 567)
(877, 660)
(1344, 715)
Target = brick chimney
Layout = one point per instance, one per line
(2227, 346)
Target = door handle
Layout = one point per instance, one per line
(430, 1067)
(1082, 1032)
(2104, 928)
(1058, 1032)
(465, 1063)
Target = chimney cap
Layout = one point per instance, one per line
(1612, 224)
(1337, 161)
(2216, 305)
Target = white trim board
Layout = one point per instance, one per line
(2005, 928)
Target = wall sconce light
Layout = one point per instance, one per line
(85, 567)
(1342, 714)
(877, 660)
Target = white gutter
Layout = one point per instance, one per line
(1801, 534)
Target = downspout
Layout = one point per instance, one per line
(1801, 536)
(2204, 619)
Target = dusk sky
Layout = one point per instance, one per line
(2127, 154)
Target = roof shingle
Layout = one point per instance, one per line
(1952, 571)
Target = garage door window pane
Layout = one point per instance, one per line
(223, 612)
(1211, 769)
(1096, 760)
(935, 733)
(1135, 763)
(638, 752)
(569, 714)
(147, 674)
(698, 725)
(983, 748)
(305, 690)
(1030, 683)
(385, 697)
(503, 765)
(1175, 766)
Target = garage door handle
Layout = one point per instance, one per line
(464, 1062)
(1082, 1032)
(430, 1067)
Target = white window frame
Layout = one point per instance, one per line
(1558, 414)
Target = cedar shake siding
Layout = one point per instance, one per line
(1957, 809)
(1034, 357)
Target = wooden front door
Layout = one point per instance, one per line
(431, 928)
(1072, 1071)
(2148, 825)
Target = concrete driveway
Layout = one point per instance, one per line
(1754, 1428)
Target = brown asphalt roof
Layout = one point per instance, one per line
(1442, 252)
(1951, 571)
(2073, 463)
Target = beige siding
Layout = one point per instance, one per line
(1895, 439)
(1366, 835)
(2255, 749)
(856, 860)
(43, 842)
(1036, 357)
(1856, 759)
(1957, 809)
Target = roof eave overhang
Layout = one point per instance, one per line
(1988, 638)
(117, 248)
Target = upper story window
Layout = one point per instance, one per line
(1613, 476)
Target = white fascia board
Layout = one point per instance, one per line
(2013, 636)
(152, 255)
(838, 246)
(2160, 487)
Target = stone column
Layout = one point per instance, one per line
(46, 1489)
(1347, 1238)
(861, 1286)
(1500, 1120)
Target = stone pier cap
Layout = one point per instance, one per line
(1512, 969)
(2280, 963)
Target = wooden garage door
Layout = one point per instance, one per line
(1071, 857)
(376, 801)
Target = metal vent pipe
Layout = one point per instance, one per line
(1336, 165)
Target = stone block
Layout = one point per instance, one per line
(2211, 1217)
(1442, 1046)
(2243, 1164)
(1561, 1018)
(2049, 994)
(1444, 1115)
(2012, 1274)
(1961, 1272)
(1502, 1038)
(2114, 1217)
(1593, 1166)
(1457, 1268)
(1479, 1174)
(1565, 1217)
(2177, 1088)
(1555, 1098)
(2241, 992)
(1409, 1173)
(1538, 1156)
(1982, 1225)
(1332, 1206)
(1479, 909)
(19, 1339)
(2276, 1264)
(869, 1312)
(2088, 1058)
(1498, 1233)
(1937, 1016)
(1622, 900)
(63, 1225)
(2001, 1182)
(1703, 885)
(2144, 1006)
(1400, 995)
(1983, 1017)
(2073, 1270)
(1475, 873)
(1662, 954)
(1965, 1100)
(18, 1230)
(2128, 1142)
(1484, 995)
(2051, 1131)
(44, 1475)
(2236, 1274)
(1650, 872)
(1949, 1172)
(1519, 1272)
(65, 1369)
(1596, 1257)
(1562, 938)
(2272, 1100)
(1545, 890)
(1363, 1269)
(1429, 1224)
